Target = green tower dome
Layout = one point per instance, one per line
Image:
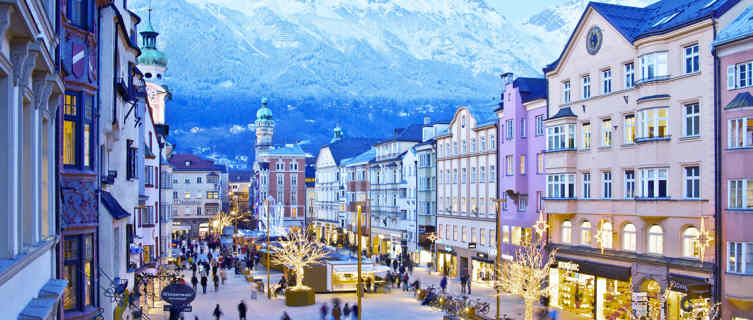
(151, 56)
(264, 113)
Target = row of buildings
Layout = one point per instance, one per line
(633, 148)
(92, 186)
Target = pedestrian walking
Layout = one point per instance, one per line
(355, 311)
(204, 284)
(443, 284)
(242, 310)
(346, 311)
(216, 281)
(468, 281)
(336, 312)
(223, 276)
(324, 310)
(217, 312)
(194, 281)
(462, 284)
(285, 316)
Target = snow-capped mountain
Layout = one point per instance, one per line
(369, 65)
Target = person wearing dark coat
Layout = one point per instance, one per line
(323, 311)
(194, 281)
(346, 311)
(204, 284)
(217, 312)
(242, 311)
(355, 311)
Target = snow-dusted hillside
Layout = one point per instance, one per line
(366, 64)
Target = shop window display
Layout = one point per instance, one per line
(588, 295)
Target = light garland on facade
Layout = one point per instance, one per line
(703, 239)
(541, 226)
(602, 236)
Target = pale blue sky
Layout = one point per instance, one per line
(515, 10)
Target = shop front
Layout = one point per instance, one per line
(591, 289)
(447, 261)
(482, 268)
(688, 296)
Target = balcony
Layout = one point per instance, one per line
(561, 160)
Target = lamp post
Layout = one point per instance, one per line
(269, 251)
(359, 289)
(499, 251)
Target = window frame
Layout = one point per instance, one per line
(606, 178)
(740, 252)
(566, 92)
(692, 183)
(651, 66)
(655, 243)
(606, 133)
(566, 232)
(691, 127)
(561, 186)
(586, 81)
(84, 23)
(692, 57)
(629, 184)
(656, 179)
(737, 191)
(563, 139)
(645, 123)
(539, 125)
(629, 237)
(586, 135)
(85, 108)
(631, 130)
(606, 83)
(629, 75)
(586, 185)
(740, 134)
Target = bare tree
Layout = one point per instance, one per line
(298, 251)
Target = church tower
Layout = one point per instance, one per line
(153, 64)
(265, 128)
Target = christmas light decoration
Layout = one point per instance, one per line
(297, 251)
(541, 226)
(602, 236)
(703, 239)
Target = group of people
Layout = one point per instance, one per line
(345, 312)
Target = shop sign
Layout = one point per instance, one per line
(568, 266)
(178, 294)
(471, 245)
(448, 249)
(482, 255)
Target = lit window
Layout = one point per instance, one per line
(508, 165)
(567, 232)
(505, 234)
(630, 129)
(585, 233)
(606, 235)
(740, 133)
(654, 123)
(689, 243)
(628, 237)
(586, 136)
(540, 163)
(523, 164)
(655, 240)
(606, 133)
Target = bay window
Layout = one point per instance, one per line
(560, 186)
(560, 137)
(740, 133)
(78, 269)
(653, 123)
(740, 194)
(654, 65)
(654, 183)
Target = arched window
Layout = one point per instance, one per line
(628, 237)
(606, 235)
(567, 232)
(585, 233)
(689, 243)
(655, 240)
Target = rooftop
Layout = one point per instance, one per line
(191, 162)
(239, 176)
(349, 147)
(740, 28)
(413, 133)
(361, 158)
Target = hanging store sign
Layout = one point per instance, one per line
(178, 294)
(471, 245)
(568, 266)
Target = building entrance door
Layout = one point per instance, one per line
(463, 266)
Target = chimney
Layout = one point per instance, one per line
(427, 120)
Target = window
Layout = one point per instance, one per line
(606, 178)
(454, 176)
(692, 182)
(465, 147)
(175, 195)
(198, 180)
(740, 75)
(131, 160)
(655, 240)
(692, 120)
(483, 144)
(691, 59)
(482, 176)
(187, 195)
(464, 234)
(560, 186)
(492, 145)
(567, 232)
(740, 133)
(606, 78)
(523, 164)
(740, 257)
(539, 125)
(540, 163)
(586, 87)
(606, 235)
(522, 203)
(492, 174)
(294, 180)
(539, 201)
(586, 136)
(78, 13)
(587, 186)
(629, 184)
(455, 233)
(462, 122)
(629, 75)
(505, 234)
(213, 195)
(560, 137)
(78, 269)
(78, 123)
(689, 243)
(654, 183)
(630, 129)
(473, 175)
(523, 128)
(654, 66)
(504, 201)
(653, 123)
(606, 133)
(473, 145)
(508, 165)
(473, 234)
(465, 176)
(741, 194)
(628, 237)
(566, 92)
(510, 129)
(455, 147)
(585, 233)
(482, 236)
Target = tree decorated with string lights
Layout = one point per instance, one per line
(527, 275)
(297, 251)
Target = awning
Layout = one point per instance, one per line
(743, 99)
(696, 287)
(113, 206)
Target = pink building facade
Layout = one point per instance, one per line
(734, 50)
